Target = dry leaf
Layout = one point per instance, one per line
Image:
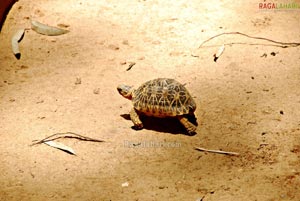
(219, 53)
(60, 146)
(47, 30)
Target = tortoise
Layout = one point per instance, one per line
(161, 97)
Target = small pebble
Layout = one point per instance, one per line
(264, 55)
(123, 62)
(96, 91)
(113, 47)
(23, 67)
(281, 112)
(141, 58)
(40, 101)
(125, 42)
(78, 80)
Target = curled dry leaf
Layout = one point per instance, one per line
(47, 30)
(17, 37)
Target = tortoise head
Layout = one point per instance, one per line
(126, 91)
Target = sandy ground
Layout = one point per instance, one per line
(246, 102)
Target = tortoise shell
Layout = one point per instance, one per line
(163, 97)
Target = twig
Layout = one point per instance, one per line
(66, 135)
(130, 66)
(244, 43)
(281, 44)
(217, 151)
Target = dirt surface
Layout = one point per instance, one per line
(247, 102)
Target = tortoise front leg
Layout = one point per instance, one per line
(135, 119)
(191, 128)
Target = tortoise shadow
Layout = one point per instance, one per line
(165, 125)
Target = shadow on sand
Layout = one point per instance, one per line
(165, 125)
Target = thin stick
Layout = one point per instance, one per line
(244, 43)
(66, 135)
(130, 66)
(281, 44)
(217, 151)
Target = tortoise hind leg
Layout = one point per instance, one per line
(135, 119)
(191, 128)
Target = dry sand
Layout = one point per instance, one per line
(246, 102)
